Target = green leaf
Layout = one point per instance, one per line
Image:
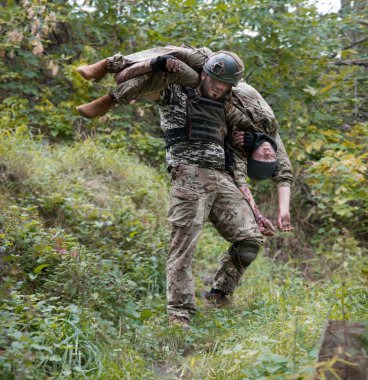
(146, 314)
(39, 268)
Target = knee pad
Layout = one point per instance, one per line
(244, 252)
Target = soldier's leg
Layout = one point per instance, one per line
(120, 62)
(190, 203)
(233, 264)
(234, 219)
(180, 281)
(195, 58)
(144, 87)
(191, 56)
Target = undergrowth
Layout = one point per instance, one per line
(83, 241)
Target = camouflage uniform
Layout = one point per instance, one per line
(202, 189)
(245, 98)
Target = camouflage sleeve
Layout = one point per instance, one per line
(187, 77)
(283, 175)
(150, 85)
(237, 120)
(165, 96)
(240, 169)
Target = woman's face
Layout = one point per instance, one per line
(264, 153)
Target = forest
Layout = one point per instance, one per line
(83, 202)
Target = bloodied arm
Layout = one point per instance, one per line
(265, 225)
(235, 148)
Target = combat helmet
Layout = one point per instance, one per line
(224, 66)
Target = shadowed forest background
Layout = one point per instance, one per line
(83, 232)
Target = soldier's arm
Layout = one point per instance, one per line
(283, 179)
(283, 175)
(236, 119)
(149, 86)
(284, 219)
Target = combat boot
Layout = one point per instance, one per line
(97, 108)
(176, 320)
(96, 71)
(217, 298)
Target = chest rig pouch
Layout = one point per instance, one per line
(205, 122)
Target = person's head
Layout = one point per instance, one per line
(221, 71)
(264, 153)
(261, 159)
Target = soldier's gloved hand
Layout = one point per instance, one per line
(165, 63)
(243, 140)
(248, 141)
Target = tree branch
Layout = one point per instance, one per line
(355, 43)
(352, 62)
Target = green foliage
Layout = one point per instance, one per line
(83, 235)
(104, 205)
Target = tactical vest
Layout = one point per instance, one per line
(205, 122)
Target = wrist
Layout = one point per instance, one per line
(159, 63)
(259, 219)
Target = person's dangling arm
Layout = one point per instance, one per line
(239, 169)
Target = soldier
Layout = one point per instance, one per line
(195, 127)
(196, 124)
(244, 97)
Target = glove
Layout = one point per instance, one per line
(248, 141)
(159, 63)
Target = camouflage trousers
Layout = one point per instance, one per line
(196, 195)
(149, 86)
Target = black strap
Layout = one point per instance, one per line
(190, 92)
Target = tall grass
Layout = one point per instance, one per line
(83, 246)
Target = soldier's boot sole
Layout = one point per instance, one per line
(98, 107)
(96, 71)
